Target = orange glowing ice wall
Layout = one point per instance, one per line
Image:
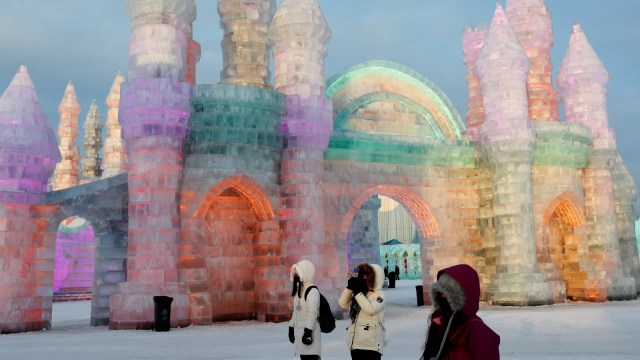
(299, 34)
(507, 142)
(245, 46)
(73, 274)
(115, 156)
(67, 173)
(155, 107)
(531, 21)
(27, 160)
(582, 79)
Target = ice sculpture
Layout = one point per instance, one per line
(27, 159)
(92, 162)
(245, 46)
(67, 172)
(507, 142)
(29, 148)
(472, 43)
(531, 21)
(154, 111)
(115, 156)
(582, 79)
(299, 34)
(193, 56)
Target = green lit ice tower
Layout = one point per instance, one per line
(582, 79)
(507, 141)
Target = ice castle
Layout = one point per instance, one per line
(223, 187)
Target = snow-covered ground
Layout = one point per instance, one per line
(568, 331)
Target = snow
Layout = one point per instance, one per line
(568, 331)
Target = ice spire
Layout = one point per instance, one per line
(245, 46)
(507, 143)
(472, 42)
(194, 51)
(115, 156)
(91, 164)
(29, 148)
(582, 79)
(66, 173)
(531, 21)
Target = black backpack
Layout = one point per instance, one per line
(325, 317)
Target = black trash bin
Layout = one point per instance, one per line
(392, 280)
(419, 295)
(162, 307)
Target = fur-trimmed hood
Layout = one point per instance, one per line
(461, 285)
(305, 270)
(379, 277)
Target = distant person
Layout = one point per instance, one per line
(304, 328)
(455, 331)
(386, 271)
(365, 301)
(397, 271)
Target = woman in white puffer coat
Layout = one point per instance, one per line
(304, 328)
(366, 303)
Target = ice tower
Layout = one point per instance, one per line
(507, 142)
(245, 45)
(27, 160)
(154, 113)
(472, 42)
(115, 156)
(531, 21)
(582, 79)
(67, 173)
(300, 35)
(92, 162)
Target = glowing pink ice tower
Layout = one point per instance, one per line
(27, 160)
(154, 113)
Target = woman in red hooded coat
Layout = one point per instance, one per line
(455, 331)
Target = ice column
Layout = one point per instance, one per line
(154, 112)
(531, 21)
(300, 34)
(582, 79)
(67, 173)
(245, 45)
(472, 42)
(115, 156)
(27, 160)
(507, 142)
(92, 162)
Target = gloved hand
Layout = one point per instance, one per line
(292, 337)
(360, 287)
(307, 338)
(352, 283)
